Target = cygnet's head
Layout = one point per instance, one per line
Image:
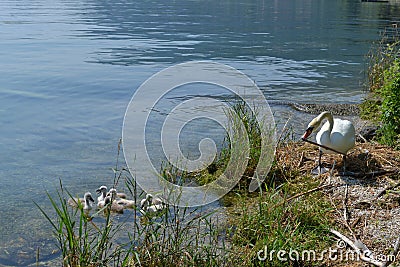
(101, 189)
(88, 197)
(112, 193)
(146, 201)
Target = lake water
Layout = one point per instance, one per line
(69, 69)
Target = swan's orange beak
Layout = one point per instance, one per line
(307, 133)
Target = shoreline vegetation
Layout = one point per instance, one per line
(294, 219)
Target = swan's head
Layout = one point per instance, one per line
(102, 189)
(88, 197)
(315, 123)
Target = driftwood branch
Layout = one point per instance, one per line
(357, 249)
(323, 146)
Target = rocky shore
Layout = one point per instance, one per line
(335, 109)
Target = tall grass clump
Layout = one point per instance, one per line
(381, 57)
(179, 237)
(383, 84)
(240, 116)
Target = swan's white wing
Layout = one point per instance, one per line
(343, 135)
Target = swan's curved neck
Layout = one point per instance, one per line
(329, 117)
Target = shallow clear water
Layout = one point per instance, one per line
(69, 69)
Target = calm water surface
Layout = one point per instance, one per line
(69, 69)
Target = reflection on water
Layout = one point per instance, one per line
(69, 69)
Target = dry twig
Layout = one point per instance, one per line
(363, 138)
(303, 193)
(301, 160)
(312, 190)
(385, 190)
(345, 210)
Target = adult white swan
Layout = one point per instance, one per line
(336, 134)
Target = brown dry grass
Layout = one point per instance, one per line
(373, 217)
(363, 159)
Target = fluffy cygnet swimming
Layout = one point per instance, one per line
(110, 199)
(87, 201)
(151, 204)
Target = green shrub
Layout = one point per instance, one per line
(369, 108)
(390, 109)
(381, 57)
(382, 105)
